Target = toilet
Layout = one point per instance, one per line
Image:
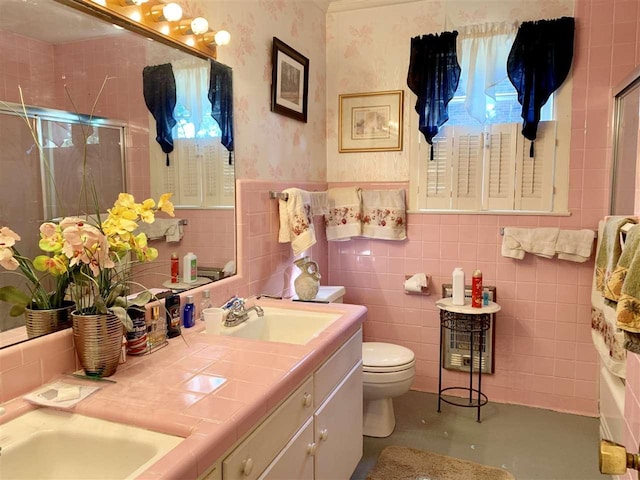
(388, 371)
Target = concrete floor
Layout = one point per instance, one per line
(531, 443)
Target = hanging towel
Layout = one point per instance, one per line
(607, 338)
(344, 219)
(170, 229)
(539, 241)
(609, 252)
(221, 98)
(384, 214)
(296, 222)
(159, 90)
(628, 308)
(319, 203)
(574, 245)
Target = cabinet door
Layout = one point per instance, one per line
(296, 459)
(338, 429)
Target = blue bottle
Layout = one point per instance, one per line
(188, 314)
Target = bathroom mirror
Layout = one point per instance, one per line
(71, 66)
(626, 122)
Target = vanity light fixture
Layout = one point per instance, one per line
(168, 12)
(219, 38)
(196, 26)
(129, 3)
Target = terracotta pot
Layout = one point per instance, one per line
(98, 343)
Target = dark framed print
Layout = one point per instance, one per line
(289, 81)
(371, 122)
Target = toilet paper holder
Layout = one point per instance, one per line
(424, 289)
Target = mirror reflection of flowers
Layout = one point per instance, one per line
(88, 255)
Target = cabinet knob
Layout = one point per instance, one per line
(247, 466)
(307, 400)
(311, 449)
(324, 434)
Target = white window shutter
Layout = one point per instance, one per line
(437, 182)
(467, 168)
(189, 172)
(534, 176)
(218, 177)
(499, 179)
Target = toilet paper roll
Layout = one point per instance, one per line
(415, 283)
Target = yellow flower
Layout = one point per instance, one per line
(165, 205)
(55, 265)
(51, 237)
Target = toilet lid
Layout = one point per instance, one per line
(386, 355)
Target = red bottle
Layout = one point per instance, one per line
(175, 267)
(476, 289)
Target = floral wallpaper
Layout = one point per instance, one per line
(269, 145)
(368, 51)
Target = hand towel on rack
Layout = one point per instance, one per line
(296, 222)
(628, 308)
(319, 203)
(169, 228)
(344, 219)
(574, 245)
(609, 251)
(539, 241)
(607, 338)
(384, 214)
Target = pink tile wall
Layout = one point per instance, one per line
(265, 266)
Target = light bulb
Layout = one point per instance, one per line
(172, 12)
(222, 37)
(199, 25)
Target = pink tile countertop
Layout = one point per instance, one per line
(209, 389)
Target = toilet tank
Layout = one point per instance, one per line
(331, 294)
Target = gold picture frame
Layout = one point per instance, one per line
(371, 122)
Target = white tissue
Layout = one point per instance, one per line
(415, 283)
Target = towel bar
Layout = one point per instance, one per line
(278, 195)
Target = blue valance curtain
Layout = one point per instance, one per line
(433, 76)
(159, 90)
(538, 63)
(221, 98)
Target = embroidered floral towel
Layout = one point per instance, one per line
(296, 222)
(345, 213)
(609, 251)
(384, 214)
(628, 308)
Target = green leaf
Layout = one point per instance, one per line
(11, 294)
(142, 299)
(121, 313)
(16, 310)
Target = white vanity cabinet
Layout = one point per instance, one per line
(316, 433)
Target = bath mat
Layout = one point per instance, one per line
(404, 463)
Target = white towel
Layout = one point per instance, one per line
(539, 241)
(344, 219)
(296, 223)
(574, 245)
(319, 203)
(170, 228)
(384, 214)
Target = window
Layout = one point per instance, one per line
(486, 167)
(199, 172)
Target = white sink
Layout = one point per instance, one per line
(287, 325)
(52, 444)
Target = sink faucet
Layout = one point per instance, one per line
(238, 313)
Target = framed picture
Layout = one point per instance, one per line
(371, 122)
(289, 81)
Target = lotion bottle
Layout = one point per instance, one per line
(189, 268)
(457, 297)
